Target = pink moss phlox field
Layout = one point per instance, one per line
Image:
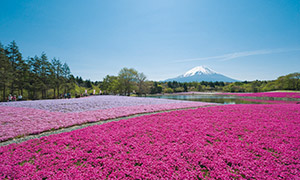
(89, 103)
(220, 142)
(19, 121)
(267, 94)
(270, 101)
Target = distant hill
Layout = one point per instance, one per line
(201, 73)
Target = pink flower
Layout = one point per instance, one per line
(220, 142)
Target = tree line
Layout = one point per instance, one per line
(40, 78)
(129, 81)
(35, 77)
(287, 82)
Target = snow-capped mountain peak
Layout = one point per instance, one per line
(199, 70)
(201, 73)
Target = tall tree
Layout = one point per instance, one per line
(35, 83)
(289, 82)
(141, 82)
(5, 72)
(44, 74)
(57, 72)
(296, 78)
(111, 85)
(22, 77)
(15, 59)
(79, 81)
(66, 73)
(127, 78)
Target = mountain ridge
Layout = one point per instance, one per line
(201, 73)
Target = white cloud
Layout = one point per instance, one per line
(235, 55)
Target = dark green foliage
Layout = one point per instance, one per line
(15, 59)
(79, 81)
(88, 84)
(5, 72)
(156, 88)
(288, 82)
(33, 78)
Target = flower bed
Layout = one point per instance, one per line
(221, 142)
(20, 120)
(266, 94)
(270, 101)
(89, 103)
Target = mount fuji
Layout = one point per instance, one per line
(201, 73)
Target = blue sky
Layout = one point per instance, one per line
(245, 40)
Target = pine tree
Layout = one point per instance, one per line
(35, 83)
(5, 72)
(16, 61)
(45, 73)
(23, 77)
(57, 71)
(66, 77)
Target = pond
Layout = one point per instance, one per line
(211, 98)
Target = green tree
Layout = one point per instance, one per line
(115, 86)
(199, 87)
(66, 74)
(255, 86)
(105, 84)
(79, 81)
(5, 72)
(270, 86)
(141, 82)
(155, 88)
(35, 83)
(88, 84)
(111, 85)
(15, 59)
(23, 77)
(168, 90)
(179, 89)
(127, 79)
(57, 73)
(185, 87)
(45, 75)
(289, 82)
(296, 79)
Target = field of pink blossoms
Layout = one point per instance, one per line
(270, 101)
(267, 94)
(22, 118)
(219, 142)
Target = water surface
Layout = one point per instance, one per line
(210, 98)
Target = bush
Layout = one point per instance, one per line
(168, 90)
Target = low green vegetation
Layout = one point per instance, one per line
(290, 82)
(40, 78)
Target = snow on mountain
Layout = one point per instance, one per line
(201, 73)
(199, 70)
